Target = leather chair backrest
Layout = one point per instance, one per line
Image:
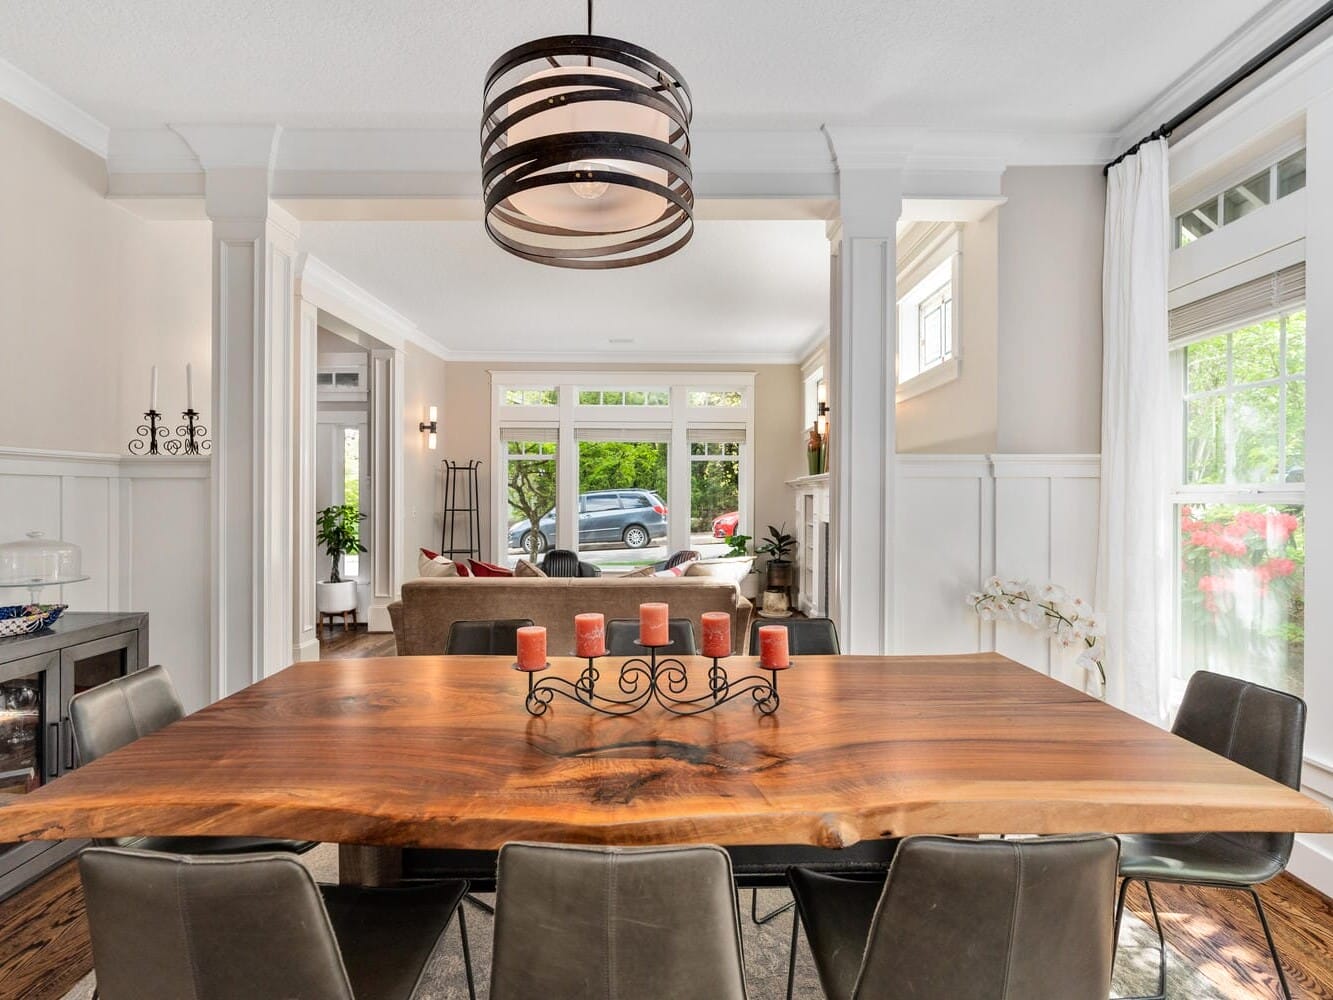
(1252, 725)
(805, 636)
(118, 712)
(994, 920)
(560, 562)
(166, 926)
(622, 636)
(485, 638)
(652, 923)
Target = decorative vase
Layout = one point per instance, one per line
(335, 598)
(750, 587)
(815, 459)
(779, 574)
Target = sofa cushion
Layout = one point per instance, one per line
(428, 609)
(642, 571)
(485, 569)
(526, 568)
(680, 569)
(728, 568)
(435, 566)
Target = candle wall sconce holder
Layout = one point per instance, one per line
(147, 433)
(191, 437)
(643, 681)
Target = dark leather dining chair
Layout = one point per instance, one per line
(485, 638)
(805, 636)
(678, 557)
(652, 923)
(622, 638)
(255, 927)
(114, 714)
(1262, 729)
(968, 920)
(563, 562)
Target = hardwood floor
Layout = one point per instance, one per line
(44, 947)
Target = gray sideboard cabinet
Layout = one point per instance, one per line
(39, 674)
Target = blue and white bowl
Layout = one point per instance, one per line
(20, 619)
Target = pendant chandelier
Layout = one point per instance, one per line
(585, 153)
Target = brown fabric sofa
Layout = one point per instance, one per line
(429, 607)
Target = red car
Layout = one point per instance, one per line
(725, 525)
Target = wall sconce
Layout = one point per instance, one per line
(821, 417)
(430, 427)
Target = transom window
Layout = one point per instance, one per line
(724, 397)
(1265, 187)
(624, 397)
(532, 397)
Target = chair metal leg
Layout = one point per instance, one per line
(791, 956)
(467, 954)
(754, 909)
(1272, 945)
(1161, 937)
(480, 904)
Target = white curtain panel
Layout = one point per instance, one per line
(1134, 580)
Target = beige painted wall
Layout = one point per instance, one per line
(425, 384)
(1050, 306)
(90, 297)
(960, 416)
(779, 446)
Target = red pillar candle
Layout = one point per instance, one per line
(717, 633)
(653, 625)
(773, 647)
(590, 634)
(532, 647)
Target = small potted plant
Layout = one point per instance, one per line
(338, 529)
(738, 548)
(777, 546)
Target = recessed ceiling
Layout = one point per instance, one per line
(1038, 65)
(740, 291)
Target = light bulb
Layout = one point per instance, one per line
(588, 190)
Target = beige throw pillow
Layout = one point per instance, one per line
(734, 570)
(437, 567)
(526, 568)
(641, 571)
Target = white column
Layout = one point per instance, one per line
(305, 637)
(861, 379)
(386, 484)
(254, 273)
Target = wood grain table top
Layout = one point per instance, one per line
(438, 751)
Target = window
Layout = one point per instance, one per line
(1240, 508)
(530, 473)
(351, 568)
(1273, 182)
(624, 397)
(642, 470)
(928, 352)
(532, 397)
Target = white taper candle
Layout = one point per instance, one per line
(152, 402)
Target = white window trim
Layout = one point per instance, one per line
(567, 417)
(947, 247)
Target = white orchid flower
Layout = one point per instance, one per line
(994, 587)
(1053, 593)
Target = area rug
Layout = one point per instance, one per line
(765, 954)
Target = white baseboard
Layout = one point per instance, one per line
(1312, 861)
(379, 620)
(308, 650)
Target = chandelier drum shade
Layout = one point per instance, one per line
(585, 153)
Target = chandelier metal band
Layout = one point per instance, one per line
(563, 73)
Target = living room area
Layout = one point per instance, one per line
(903, 433)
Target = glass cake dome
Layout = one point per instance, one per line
(38, 561)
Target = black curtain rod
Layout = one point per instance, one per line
(1252, 66)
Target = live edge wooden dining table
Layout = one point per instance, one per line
(439, 752)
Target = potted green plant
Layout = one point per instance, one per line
(338, 529)
(778, 546)
(738, 547)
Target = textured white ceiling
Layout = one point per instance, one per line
(1031, 65)
(740, 290)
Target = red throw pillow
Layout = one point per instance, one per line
(488, 569)
(429, 554)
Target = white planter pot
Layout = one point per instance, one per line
(335, 598)
(750, 586)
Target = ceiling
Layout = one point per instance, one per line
(1038, 65)
(742, 290)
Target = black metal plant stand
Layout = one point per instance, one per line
(642, 682)
(461, 499)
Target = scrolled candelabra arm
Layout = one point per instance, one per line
(147, 433)
(193, 433)
(641, 680)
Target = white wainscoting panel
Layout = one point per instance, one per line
(142, 525)
(963, 518)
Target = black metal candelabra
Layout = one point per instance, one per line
(147, 434)
(644, 681)
(192, 434)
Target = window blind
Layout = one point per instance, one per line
(716, 435)
(1237, 306)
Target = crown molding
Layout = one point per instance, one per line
(1265, 27)
(36, 99)
(223, 147)
(601, 358)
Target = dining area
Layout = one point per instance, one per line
(660, 818)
